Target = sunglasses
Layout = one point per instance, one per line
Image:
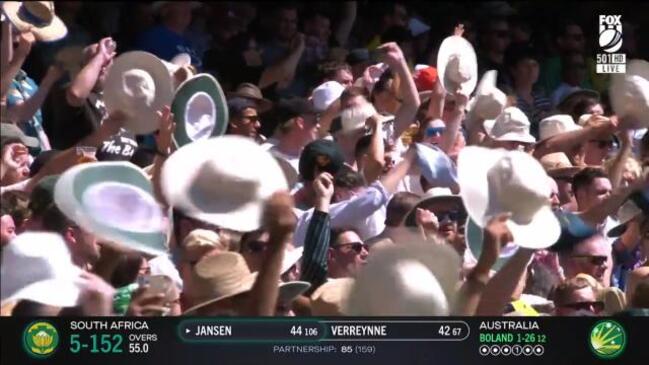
(435, 131)
(256, 246)
(593, 260)
(355, 246)
(594, 307)
(453, 216)
(603, 144)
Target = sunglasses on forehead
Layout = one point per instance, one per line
(593, 260)
(355, 246)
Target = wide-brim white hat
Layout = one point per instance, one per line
(115, 201)
(494, 181)
(37, 17)
(629, 94)
(223, 181)
(474, 237)
(418, 279)
(200, 110)
(511, 125)
(555, 125)
(489, 101)
(37, 266)
(457, 65)
(138, 84)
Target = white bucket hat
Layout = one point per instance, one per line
(555, 125)
(489, 101)
(115, 201)
(498, 181)
(138, 84)
(629, 94)
(354, 118)
(223, 181)
(37, 17)
(457, 65)
(325, 94)
(38, 267)
(418, 279)
(511, 125)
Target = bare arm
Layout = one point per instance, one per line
(453, 125)
(13, 61)
(565, 142)
(408, 110)
(598, 212)
(495, 235)
(376, 160)
(346, 22)
(26, 110)
(279, 221)
(284, 69)
(85, 81)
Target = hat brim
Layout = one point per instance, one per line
(140, 119)
(52, 32)
(263, 105)
(515, 137)
(57, 292)
(622, 102)
(202, 84)
(568, 99)
(460, 46)
(474, 164)
(228, 152)
(73, 195)
(474, 237)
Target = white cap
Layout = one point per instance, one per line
(325, 94)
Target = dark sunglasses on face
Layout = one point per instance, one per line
(256, 246)
(593, 260)
(453, 216)
(356, 246)
(594, 307)
(435, 131)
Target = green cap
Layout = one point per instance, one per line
(10, 132)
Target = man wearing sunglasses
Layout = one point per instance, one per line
(588, 255)
(576, 297)
(244, 118)
(347, 254)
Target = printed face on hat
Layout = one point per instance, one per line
(7, 230)
(246, 124)
(591, 256)
(347, 255)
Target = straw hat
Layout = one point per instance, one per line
(251, 91)
(199, 109)
(37, 17)
(558, 165)
(629, 94)
(498, 181)
(223, 181)
(199, 242)
(38, 267)
(115, 201)
(329, 299)
(226, 275)
(138, 84)
(488, 101)
(457, 65)
(418, 279)
(555, 125)
(511, 125)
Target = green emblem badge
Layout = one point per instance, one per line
(607, 339)
(40, 339)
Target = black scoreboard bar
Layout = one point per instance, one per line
(313, 330)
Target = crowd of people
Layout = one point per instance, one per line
(330, 159)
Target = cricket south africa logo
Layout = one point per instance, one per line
(610, 41)
(40, 339)
(607, 339)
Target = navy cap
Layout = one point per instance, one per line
(573, 231)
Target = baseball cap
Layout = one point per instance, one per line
(11, 132)
(323, 154)
(326, 93)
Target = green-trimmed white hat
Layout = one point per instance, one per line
(200, 110)
(115, 201)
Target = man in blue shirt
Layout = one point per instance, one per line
(167, 39)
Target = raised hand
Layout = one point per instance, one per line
(496, 235)
(25, 42)
(427, 220)
(459, 30)
(278, 217)
(391, 54)
(13, 154)
(145, 303)
(164, 136)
